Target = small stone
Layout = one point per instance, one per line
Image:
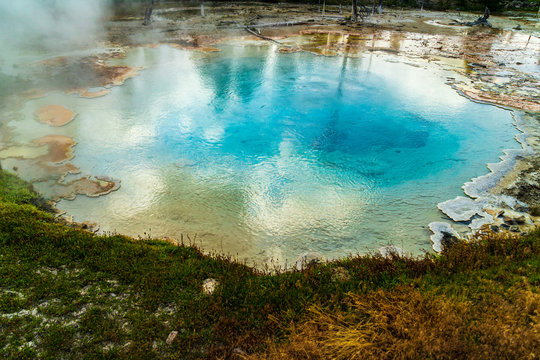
(209, 286)
(307, 259)
(514, 228)
(505, 226)
(448, 240)
(495, 228)
(494, 212)
(90, 226)
(171, 337)
(340, 274)
(508, 220)
(491, 212)
(520, 220)
(391, 250)
(239, 351)
(443, 235)
(513, 217)
(521, 208)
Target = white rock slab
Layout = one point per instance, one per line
(439, 229)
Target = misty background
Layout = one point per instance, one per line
(39, 27)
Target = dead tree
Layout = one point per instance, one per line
(354, 16)
(148, 13)
(482, 20)
(359, 11)
(364, 12)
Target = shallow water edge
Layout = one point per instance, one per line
(484, 183)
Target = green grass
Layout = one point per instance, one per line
(66, 293)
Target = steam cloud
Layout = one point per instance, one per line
(47, 25)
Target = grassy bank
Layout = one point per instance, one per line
(66, 293)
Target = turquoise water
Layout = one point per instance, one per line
(269, 155)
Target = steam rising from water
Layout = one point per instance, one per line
(49, 25)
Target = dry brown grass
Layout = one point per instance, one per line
(403, 323)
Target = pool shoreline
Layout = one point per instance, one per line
(491, 195)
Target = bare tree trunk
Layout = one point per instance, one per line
(354, 16)
(148, 13)
(482, 20)
(380, 6)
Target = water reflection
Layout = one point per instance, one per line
(269, 155)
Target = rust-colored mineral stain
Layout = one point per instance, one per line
(60, 148)
(34, 93)
(184, 47)
(94, 94)
(286, 50)
(93, 186)
(60, 60)
(503, 100)
(88, 186)
(117, 75)
(54, 115)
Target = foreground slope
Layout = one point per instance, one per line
(66, 293)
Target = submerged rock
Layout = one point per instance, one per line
(443, 235)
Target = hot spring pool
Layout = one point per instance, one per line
(270, 155)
